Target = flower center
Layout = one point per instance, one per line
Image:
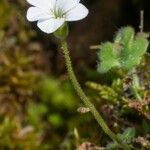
(58, 13)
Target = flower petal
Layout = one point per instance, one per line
(77, 13)
(35, 13)
(66, 5)
(51, 25)
(43, 4)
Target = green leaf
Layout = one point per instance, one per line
(139, 46)
(128, 135)
(132, 57)
(126, 52)
(125, 36)
(108, 57)
(112, 146)
(131, 63)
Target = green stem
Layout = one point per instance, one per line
(86, 100)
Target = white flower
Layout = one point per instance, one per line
(52, 14)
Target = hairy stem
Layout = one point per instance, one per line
(86, 100)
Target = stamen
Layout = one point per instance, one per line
(58, 13)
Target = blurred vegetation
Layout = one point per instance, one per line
(38, 109)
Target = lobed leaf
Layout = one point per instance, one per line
(125, 36)
(132, 57)
(108, 57)
(126, 51)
